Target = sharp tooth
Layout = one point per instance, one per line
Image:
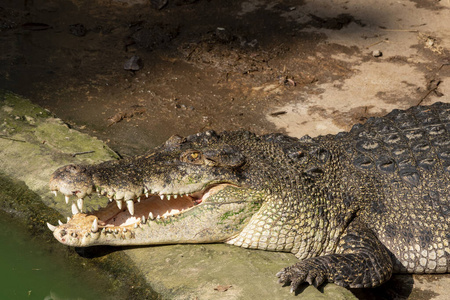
(80, 204)
(158, 217)
(135, 225)
(75, 209)
(130, 206)
(168, 197)
(138, 198)
(68, 219)
(146, 195)
(119, 204)
(60, 223)
(94, 227)
(55, 193)
(175, 196)
(51, 227)
(145, 190)
(143, 220)
(110, 199)
(67, 199)
(161, 196)
(150, 216)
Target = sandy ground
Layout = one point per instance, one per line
(294, 66)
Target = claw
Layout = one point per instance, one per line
(292, 290)
(309, 279)
(295, 284)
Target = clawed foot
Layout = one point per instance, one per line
(298, 274)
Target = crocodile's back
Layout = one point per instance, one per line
(401, 163)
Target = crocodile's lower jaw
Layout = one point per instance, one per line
(111, 222)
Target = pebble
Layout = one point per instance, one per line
(133, 64)
(376, 53)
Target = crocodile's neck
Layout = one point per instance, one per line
(298, 216)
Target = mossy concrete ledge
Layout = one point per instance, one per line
(33, 143)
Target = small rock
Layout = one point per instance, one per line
(133, 64)
(222, 288)
(77, 30)
(376, 53)
(30, 120)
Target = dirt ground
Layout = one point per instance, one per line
(302, 67)
(133, 73)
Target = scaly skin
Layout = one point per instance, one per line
(354, 207)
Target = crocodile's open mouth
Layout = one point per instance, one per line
(118, 218)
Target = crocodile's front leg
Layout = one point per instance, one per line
(360, 261)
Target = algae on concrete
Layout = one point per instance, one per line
(201, 271)
(33, 144)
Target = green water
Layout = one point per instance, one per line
(28, 272)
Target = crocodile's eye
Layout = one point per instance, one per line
(192, 156)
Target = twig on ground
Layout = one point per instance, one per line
(81, 153)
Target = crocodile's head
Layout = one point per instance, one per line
(189, 190)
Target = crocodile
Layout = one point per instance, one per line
(354, 207)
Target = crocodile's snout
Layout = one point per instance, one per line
(72, 180)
